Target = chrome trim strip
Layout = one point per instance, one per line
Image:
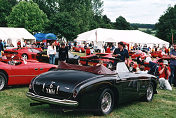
(52, 100)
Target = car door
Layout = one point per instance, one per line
(37, 68)
(21, 74)
(130, 85)
(129, 82)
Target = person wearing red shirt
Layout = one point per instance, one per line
(87, 51)
(108, 50)
(19, 44)
(164, 73)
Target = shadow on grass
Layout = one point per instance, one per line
(56, 110)
(16, 87)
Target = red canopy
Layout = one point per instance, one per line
(100, 70)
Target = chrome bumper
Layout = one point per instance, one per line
(51, 100)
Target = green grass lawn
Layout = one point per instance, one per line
(15, 104)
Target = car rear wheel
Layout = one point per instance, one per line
(106, 102)
(25, 56)
(149, 93)
(3, 80)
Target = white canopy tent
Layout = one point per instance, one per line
(128, 36)
(13, 35)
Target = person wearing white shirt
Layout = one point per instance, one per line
(148, 59)
(51, 52)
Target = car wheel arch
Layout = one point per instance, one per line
(114, 90)
(3, 71)
(6, 77)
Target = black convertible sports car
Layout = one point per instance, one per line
(43, 57)
(94, 87)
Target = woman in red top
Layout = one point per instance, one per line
(87, 51)
(164, 73)
(108, 50)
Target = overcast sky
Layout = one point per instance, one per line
(137, 11)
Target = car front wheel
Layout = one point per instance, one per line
(149, 93)
(3, 80)
(106, 102)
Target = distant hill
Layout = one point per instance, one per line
(146, 26)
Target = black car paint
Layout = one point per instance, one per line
(126, 86)
(42, 57)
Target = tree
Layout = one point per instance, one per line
(5, 9)
(65, 25)
(28, 15)
(97, 6)
(167, 25)
(49, 7)
(122, 24)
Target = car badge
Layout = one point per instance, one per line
(51, 85)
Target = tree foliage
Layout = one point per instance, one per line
(5, 9)
(28, 15)
(64, 25)
(122, 24)
(167, 24)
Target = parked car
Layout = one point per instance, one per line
(26, 53)
(94, 59)
(43, 57)
(157, 54)
(137, 54)
(158, 61)
(97, 88)
(20, 72)
(79, 49)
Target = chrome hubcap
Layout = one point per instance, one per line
(149, 93)
(2, 82)
(106, 102)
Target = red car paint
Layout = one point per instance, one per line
(137, 54)
(157, 54)
(79, 49)
(105, 61)
(30, 52)
(23, 73)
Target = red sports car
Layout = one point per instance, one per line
(158, 61)
(157, 54)
(137, 54)
(21, 72)
(94, 59)
(106, 59)
(25, 52)
(79, 49)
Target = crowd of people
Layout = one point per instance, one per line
(166, 72)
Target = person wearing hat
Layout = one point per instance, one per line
(63, 53)
(164, 73)
(121, 53)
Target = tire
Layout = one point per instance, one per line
(3, 80)
(109, 65)
(149, 93)
(105, 102)
(25, 56)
